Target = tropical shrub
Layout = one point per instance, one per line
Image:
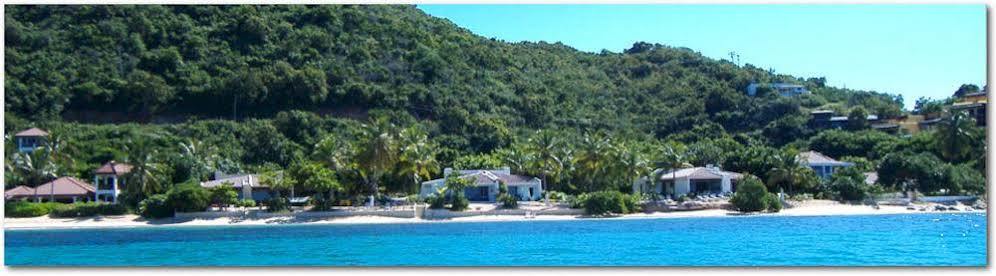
(436, 202)
(88, 209)
(750, 196)
(459, 202)
(26, 209)
(849, 189)
(224, 195)
(156, 206)
(609, 202)
(278, 204)
(576, 202)
(557, 195)
(683, 198)
(189, 197)
(961, 178)
(508, 201)
(246, 203)
(320, 203)
(772, 203)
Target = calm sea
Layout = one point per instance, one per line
(891, 240)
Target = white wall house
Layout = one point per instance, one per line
(697, 180)
(486, 184)
(110, 181)
(823, 165)
(30, 139)
(247, 185)
(783, 89)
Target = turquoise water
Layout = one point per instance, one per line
(903, 240)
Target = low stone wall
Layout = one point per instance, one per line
(260, 214)
(447, 214)
(421, 212)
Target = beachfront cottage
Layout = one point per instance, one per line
(486, 184)
(247, 185)
(30, 139)
(64, 189)
(698, 180)
(823, 165)
(19, 193)
(110, 180)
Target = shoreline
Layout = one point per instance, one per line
(134, 221)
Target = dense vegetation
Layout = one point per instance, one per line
(362, 100)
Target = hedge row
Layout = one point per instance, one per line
(87, 209)
(25, 209)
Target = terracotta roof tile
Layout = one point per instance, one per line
(19, 191)
(65, 186)
(114, 168)
(31, 132)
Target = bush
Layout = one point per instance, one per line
(278, 204)
(26, 209)
(224, 195)
(436, 202)
(576, 202)
(849, 189)
(773, 204)
(609, 202)
(508, 201)
(683, 198)
(156, 206)
(246, 203)
(88, 209)
(320, 203)
(189, 197)
(557, 195)
(750, 196)
(459, 203)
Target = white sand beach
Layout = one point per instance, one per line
(810, 208)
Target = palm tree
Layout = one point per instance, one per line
(334, 152)
(544, 152)
(593, 161)
(418, 156)
(57, 148)
(146, 176)
(955, 136)
(277, 182)
(454, 183)
(519, 157)
(377, 154)
(201, 159)
(789, 171)
(633, 163)
(673, 157)
(35, 167)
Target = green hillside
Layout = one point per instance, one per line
(139, 63)
(262, 86)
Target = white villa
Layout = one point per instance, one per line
(30, 139)
(247, 185)
(783, 89)
(486, 184)
(823, 165)
(697, 180)
(109, 180)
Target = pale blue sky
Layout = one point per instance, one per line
(912, 50)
